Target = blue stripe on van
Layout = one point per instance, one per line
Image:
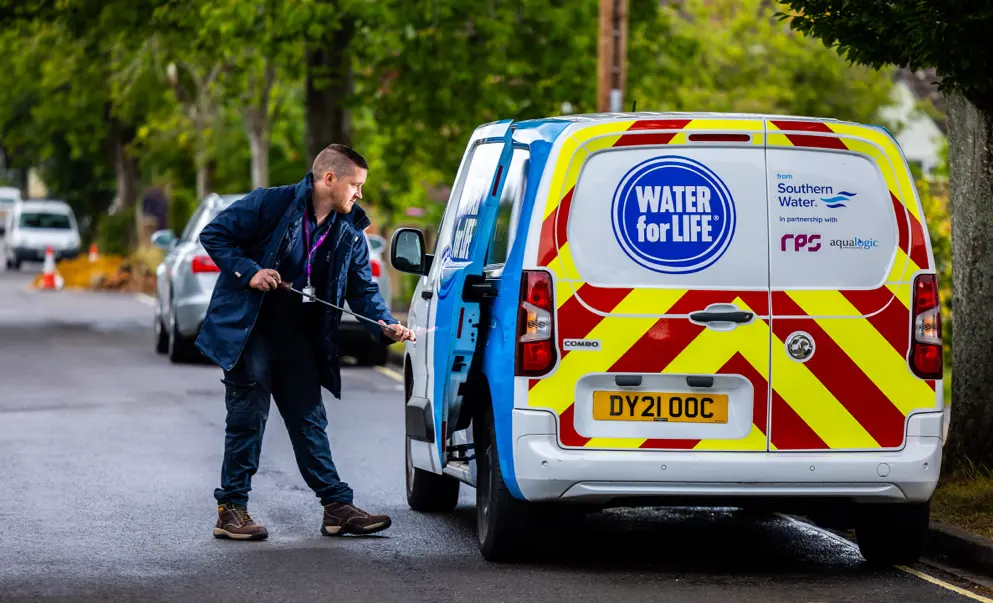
(498, 359)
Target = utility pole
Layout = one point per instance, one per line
(612, 55)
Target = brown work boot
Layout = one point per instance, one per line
(341, 519)
(233, 521)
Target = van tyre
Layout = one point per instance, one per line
(503, 523)
(430, 492)
(892, 534)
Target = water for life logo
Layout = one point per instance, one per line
(673, 215)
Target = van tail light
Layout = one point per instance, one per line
(925, 344)
(535, 350)
(377, 268)
(203, 263)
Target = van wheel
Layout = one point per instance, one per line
(503, 523)
(430, 492)
(892, 534)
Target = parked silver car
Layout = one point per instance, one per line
(185, 281)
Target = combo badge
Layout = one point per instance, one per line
(673, 215)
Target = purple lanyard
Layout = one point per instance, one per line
(306, 242)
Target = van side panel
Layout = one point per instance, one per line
(856, 390)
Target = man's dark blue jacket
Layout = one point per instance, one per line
(254, 233)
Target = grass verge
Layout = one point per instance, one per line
(966, 501)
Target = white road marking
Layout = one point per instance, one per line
(392, 374)
(146, 299)
(919, 574)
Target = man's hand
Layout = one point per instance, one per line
(398, 332)
(265, 280)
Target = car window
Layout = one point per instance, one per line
(509, 209)
(45, 220)
(192, 229)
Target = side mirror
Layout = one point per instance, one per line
(164, 239)
(407, 251)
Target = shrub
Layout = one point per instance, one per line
(115, 233)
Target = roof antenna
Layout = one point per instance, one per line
(634, 106)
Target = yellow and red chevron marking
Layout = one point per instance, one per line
(855, 393)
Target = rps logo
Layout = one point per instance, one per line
(673, 215)
(800, 241)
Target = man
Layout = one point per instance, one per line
(273, 342)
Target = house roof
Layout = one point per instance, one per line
(924, 85)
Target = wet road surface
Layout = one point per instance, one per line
(109, 456)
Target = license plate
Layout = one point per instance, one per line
(660, 407)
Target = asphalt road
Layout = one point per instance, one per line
(109, 456)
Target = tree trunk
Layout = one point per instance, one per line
(970, 439)
(125, 170)
(205, 177)
(126, 176)
(259, 143)
(329, 84)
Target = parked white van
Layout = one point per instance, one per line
(671, 309)
(35, 225)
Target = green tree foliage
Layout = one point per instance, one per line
(215, 94)
(953, 38)
(734, 55)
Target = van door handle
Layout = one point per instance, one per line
(427, 294)
(738, 317)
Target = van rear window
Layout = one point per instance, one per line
(680, 218)
(45, 220)
(833, 221)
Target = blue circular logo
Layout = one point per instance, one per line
(673, 215)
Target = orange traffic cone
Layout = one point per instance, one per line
(48, 273)
(94, 254)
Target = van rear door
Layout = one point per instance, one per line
(656, 232)
(847, 244)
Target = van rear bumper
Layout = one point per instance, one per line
(546, 472)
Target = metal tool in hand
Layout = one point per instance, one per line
(313, 298)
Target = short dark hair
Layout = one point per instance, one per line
(338, 159)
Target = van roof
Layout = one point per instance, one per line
(44, 204)
(605, 117)
(548, 128)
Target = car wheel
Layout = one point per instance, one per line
(503, 523)
(892, 534)
(161, 334)
(375, 354)
(180, 348)
(429, 492)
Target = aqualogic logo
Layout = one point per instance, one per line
(673, 214)
(855, 243)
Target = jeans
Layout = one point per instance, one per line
(284, 368)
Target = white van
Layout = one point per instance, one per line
(9, 196)
(33, 226)
(671, 309)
